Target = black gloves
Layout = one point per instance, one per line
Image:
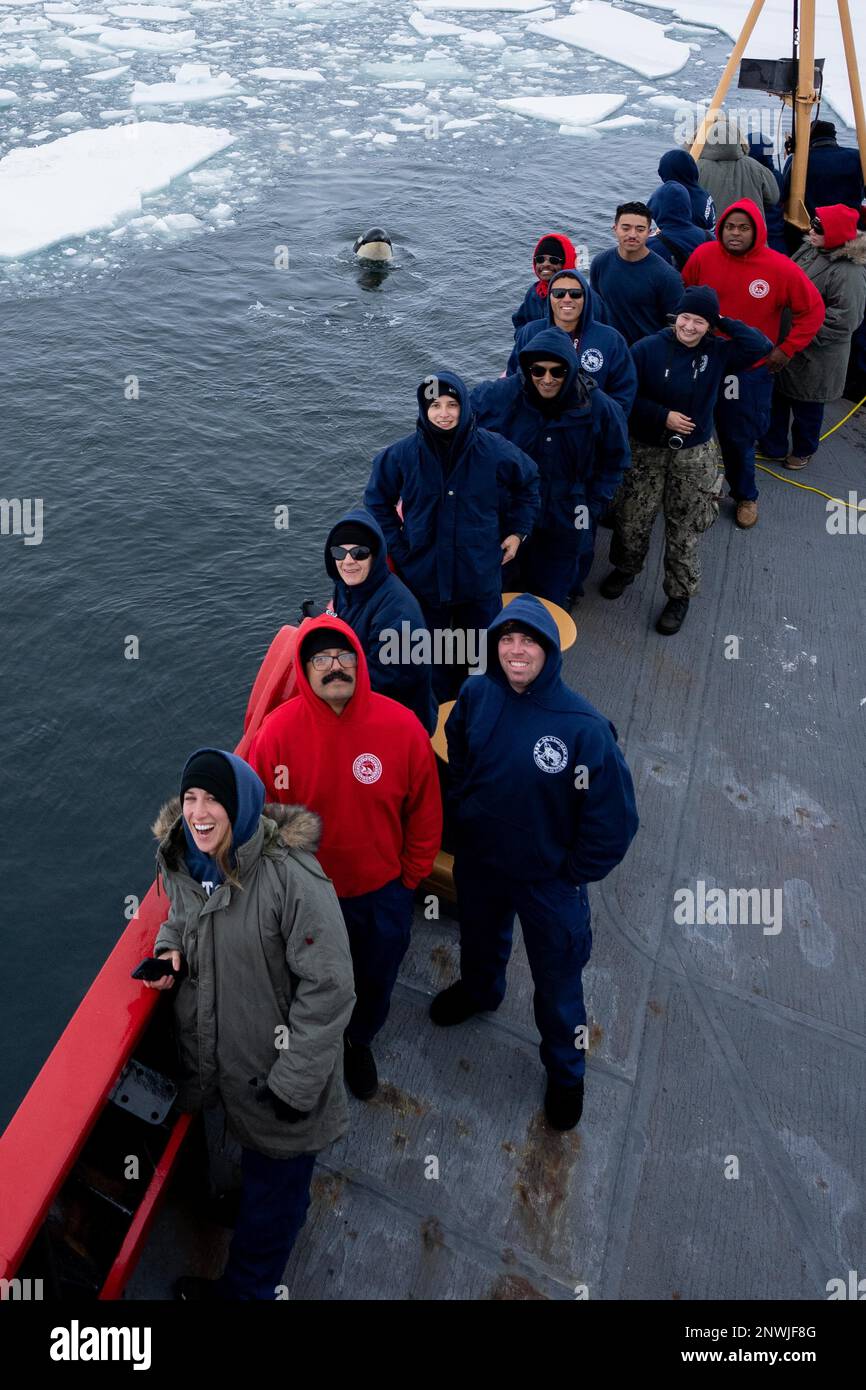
(281, 1109)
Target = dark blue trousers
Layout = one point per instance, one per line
(472, 615)
(546, 565)
(555, 919)
(806, 431)
(739, 424)
(275, 1196)
(379, 925)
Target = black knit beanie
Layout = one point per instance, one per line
(213, 773)
(354, 533)
(320, 639)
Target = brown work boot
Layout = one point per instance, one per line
(796, 461)
(747, 514)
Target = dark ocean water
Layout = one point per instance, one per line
(258, 387)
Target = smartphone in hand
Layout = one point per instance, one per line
(152, 969)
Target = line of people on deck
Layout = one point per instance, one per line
(291, 875)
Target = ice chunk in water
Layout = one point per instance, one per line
(192, 82)
(106, 75)
(91, 179)
(636, 43)
(160, 14)
(576, 110)
(482, 38)
(288, 74)
(148, 40)
(8, 97)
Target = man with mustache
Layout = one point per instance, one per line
(364, 763)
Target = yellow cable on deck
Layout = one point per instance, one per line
(805, 486)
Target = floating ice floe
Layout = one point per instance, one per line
(581, 110)
(69, 118)
(77, 19)
(509, 6)
(619, 35)
(8, 97)
(93, 178)
(192, 82)
(53, 65)
(482, 38)
(434, 28)
(620, 123)
(80, 48)
(148, 40)
(106, 75)
(288, 74)
(160, 14)
(23, 57)
(26, 25)
(430, 70)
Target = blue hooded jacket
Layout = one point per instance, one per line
(448, 546)
(834, 175)
(678, 236)
(382, 602)
(581, 453)
(674, 377)
(538, 786)
(678, 166)
(251, 799)
(603, 353)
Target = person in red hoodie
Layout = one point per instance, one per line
(754, 285)
(364, 763)
(552, 253)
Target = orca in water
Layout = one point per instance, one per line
(374, 245)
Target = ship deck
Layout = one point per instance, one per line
(722, 1146)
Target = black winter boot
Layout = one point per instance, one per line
(563, 1105)
(452, 1005)
(616, 583)
(359, 1069)
(671, 617)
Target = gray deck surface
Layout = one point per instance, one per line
(707, 1041)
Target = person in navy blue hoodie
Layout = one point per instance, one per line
(469, 499)
(577, 436)
(552, 253)
(602, 352)
(676, 460)
(543, 804)
(637, 290)
(834, 173)
(677, 235)
(678, 166)
(373, 601)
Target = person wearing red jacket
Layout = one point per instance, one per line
(754, 285)
(364, 763)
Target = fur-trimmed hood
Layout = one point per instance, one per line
(850, 250)
(293, 826)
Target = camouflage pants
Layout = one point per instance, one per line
(683, 483)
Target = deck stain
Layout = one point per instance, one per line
(510, 1288)
(327, 1187)
(399, 1101)
(542, 1184)
(431, 1234)
(442, 959)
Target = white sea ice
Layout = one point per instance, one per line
(288, 74)
(92, 179)
(223, 212)
(106, 75)
(77, 19)
(79, 48)
(53, 65)
(192, 82)
(574, 110)
(148, 40)
(433, 28)
(25, 25)
(482, 38)
(620, 35)
(68, 118)
(620, 123)
(160, 14)
(511, 6)
(23, 57)
(8, 97)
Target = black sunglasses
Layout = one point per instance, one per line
(561, 294)
(816, 226)
(537, 371)
(357, 552)
(549, 260)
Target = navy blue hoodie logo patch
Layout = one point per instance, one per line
(550, 754)
(592, 360)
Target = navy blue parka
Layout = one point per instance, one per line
(447, 547)
(380, 604)
(678, 166)
(581, 452)
(537, 784)
(603, 352)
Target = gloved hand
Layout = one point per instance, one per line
(281, 1109)
(311, 608)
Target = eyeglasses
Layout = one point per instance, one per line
(357, 552)
(323, 662)
(560, 294)
(549, 260)
(537, 372)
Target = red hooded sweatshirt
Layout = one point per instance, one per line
(568, 252)
(369, 772)
(756, 287)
